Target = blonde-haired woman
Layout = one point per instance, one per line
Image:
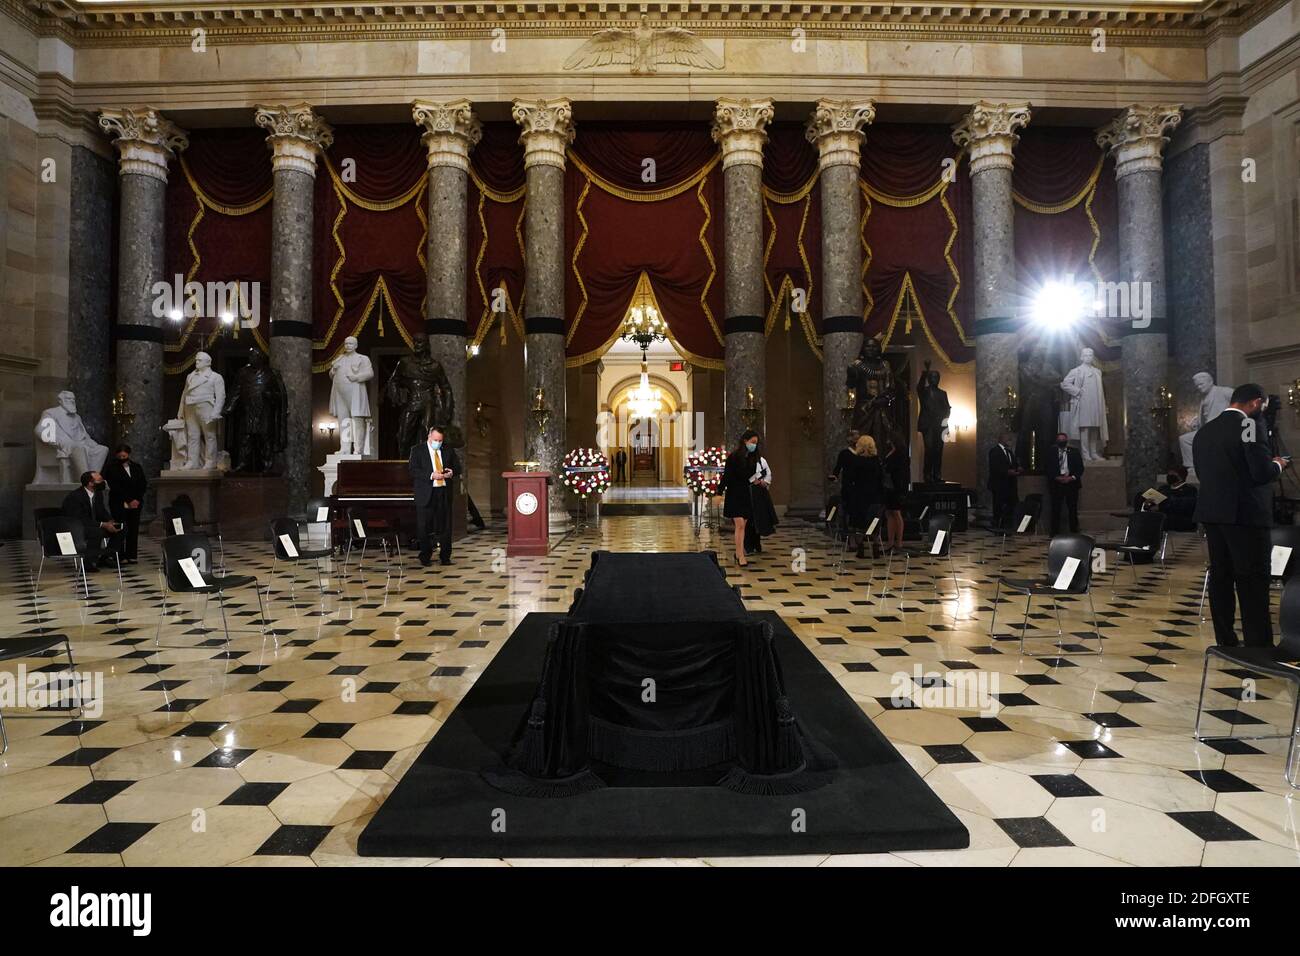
(863, 487)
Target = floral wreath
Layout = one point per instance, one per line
(585, 471)
(704, 470)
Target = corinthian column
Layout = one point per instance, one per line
(296, 137)
(988, 134)
(145, 142)
(450, 131)
(739, 126)
(1136, 138)
(836, 129)
(547, 129)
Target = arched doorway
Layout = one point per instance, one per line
(643, 416)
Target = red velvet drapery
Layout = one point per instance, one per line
(792, 240)
(495, 230)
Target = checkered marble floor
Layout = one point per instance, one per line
(277, 750)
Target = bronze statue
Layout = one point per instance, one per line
(420, 390)
(256, 416)
(872, 379)
(1040, 404)
(932, 422)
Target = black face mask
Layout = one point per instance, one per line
(99, 485)
(1062, 444)
(1172, 479)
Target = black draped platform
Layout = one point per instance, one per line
(749, 746)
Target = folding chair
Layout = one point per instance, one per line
(288, 548)
(361, 530)
(185, 504)
(1143, 535)
(64, 539)
(1023, 524)
(937, 547)
(16, 648)
(1061, 548)
(871, 530)
(186, 560)
(1282, 662)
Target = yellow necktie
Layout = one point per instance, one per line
(437, 466)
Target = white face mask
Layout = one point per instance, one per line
(435, 444)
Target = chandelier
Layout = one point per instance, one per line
(643, 324)
(644, 401)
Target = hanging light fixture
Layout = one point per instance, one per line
(644, 401)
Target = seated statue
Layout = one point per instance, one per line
(64, 449)
(1214, 399)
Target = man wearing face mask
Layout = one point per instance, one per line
(126, 489)
(87, 506)
(432, 466)
(1064, 479)
(1232, 460)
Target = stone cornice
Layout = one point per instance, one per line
(169, 23)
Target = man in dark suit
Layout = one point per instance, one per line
(1064, 479)
(620, 464)
(1004, 468)
(1235, 468)
(432, 467)
(1179, 506)
(126, 488)
(103, 535)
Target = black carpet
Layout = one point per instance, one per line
(442, 807)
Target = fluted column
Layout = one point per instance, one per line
(296, 137)
(145, 142)
(1136, 139)
(988, 134)
(547, 129)
(836, 128)
(451, 130)
(739, 127)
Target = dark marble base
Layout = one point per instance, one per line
(247, 503)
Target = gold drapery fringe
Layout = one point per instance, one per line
(713, 265)
(573, 263)
(215, 206)
(380, 288)
(374, 205)
(638, 195)
(1085, 193)
(513, 195)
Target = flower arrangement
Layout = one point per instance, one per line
(585, 471)
(704, 470)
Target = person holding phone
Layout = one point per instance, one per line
(103, 535)
(433, 466)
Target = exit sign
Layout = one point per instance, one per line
(677, 366)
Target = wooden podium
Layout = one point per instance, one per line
(528, 520)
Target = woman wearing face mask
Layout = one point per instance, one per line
(745, 480)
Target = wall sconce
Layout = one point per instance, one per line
(752, 410)
(1293, 395)
(1011, 409)
(123, 417)
(327, 428)
(808, 418)
(481, 421)
(1164, 402)
(850, 401)
(539, 412)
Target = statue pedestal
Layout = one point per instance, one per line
(42, 496)
(201, 484)
(247, 503)
(330, 470)
(1102, 494)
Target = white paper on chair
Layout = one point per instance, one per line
(322, 514)
(924, 511)
(938, 541)
(1281, 556)
(831, 514)
(290, 549)
(66, 545)
(1024, 523)
(1066, 577)
(871, 528)
(192, 573)
(178, 526)
(361, 531)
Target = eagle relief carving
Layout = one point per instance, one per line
(645, 49)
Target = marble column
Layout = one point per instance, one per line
(988, 134)
(296, 136)
(548, 128)
(1136, 139)
(739, 127)
(836, 129)
(450, 131)
(145, 142)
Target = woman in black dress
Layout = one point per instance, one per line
(863, 487)
(897, 475)
(737, 502)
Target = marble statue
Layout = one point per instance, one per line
(202, 400)
(1214, 399)
(1039, 407)
(419, 389)
(350, 399)
(175, 429)
(1084, 418)
(256, 415)
(872, 379)
(64, 449)
(932, 422)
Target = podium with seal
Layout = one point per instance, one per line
(527, 516)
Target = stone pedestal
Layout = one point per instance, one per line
(202, 486)
(42, 496)
(330, 470)
(247, 503)
(1103, 493)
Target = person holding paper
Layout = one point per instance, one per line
(87, 506)
(1004, 468)
(1175, 499)
(432, 467)
(126, 488)
(1064, 479)
(1232, 460)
